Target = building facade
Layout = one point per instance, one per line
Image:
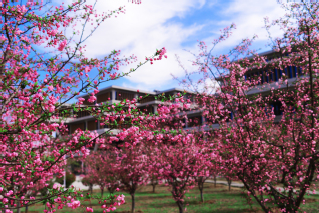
(114, 95)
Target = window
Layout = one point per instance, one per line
(279, 74)
(81, 114)
(290, 73)
(277, 107)
(104, 97)
(300, 71)
(266, 76)
(124, 95)
(295, 72)
(76, 126)
(147, 109)
(147, 99)
(92, 125)
(262, 77)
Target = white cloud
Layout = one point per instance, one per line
(143, 29)
(149, 25)
(248, 15)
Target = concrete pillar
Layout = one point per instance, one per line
(113, 95)
(155, 108)
(136, 96)
(174, 94)
(96, 147)
(186, 122)
(82, 166)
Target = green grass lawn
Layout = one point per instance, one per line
(217, 200)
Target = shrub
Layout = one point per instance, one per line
(70, 178)
(44, 191)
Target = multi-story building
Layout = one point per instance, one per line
(270, 76)
(115, 94)
(269, 80)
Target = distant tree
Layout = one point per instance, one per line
(131, 170)
(177, 164)
(101, 170)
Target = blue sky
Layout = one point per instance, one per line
(176, 25)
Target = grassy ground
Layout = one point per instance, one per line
(217, 200)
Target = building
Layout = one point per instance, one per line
(270, 79)
(115, 94)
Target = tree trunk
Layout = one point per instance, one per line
(91, 188)
(102, 191)
(111, 190)
(229, 180)
(180, 206)
(133, 202)
(154, 188)
(201, 187)
(26, 208)
(18, 209)
(202, 192)
(215, 180)
(201, 195)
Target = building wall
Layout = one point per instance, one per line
(92, 125)
(76, 126)
(103, 97)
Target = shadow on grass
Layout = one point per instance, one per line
(230, 211)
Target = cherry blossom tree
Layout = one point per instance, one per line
(131, 170)
(177, 164)
(203, 162)
(176, 151)
(256, 144)
(215, 170)
(88, 180)
(101, 170)
(94, 169)
(42, 67)
(154, 178)
(140, 144)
